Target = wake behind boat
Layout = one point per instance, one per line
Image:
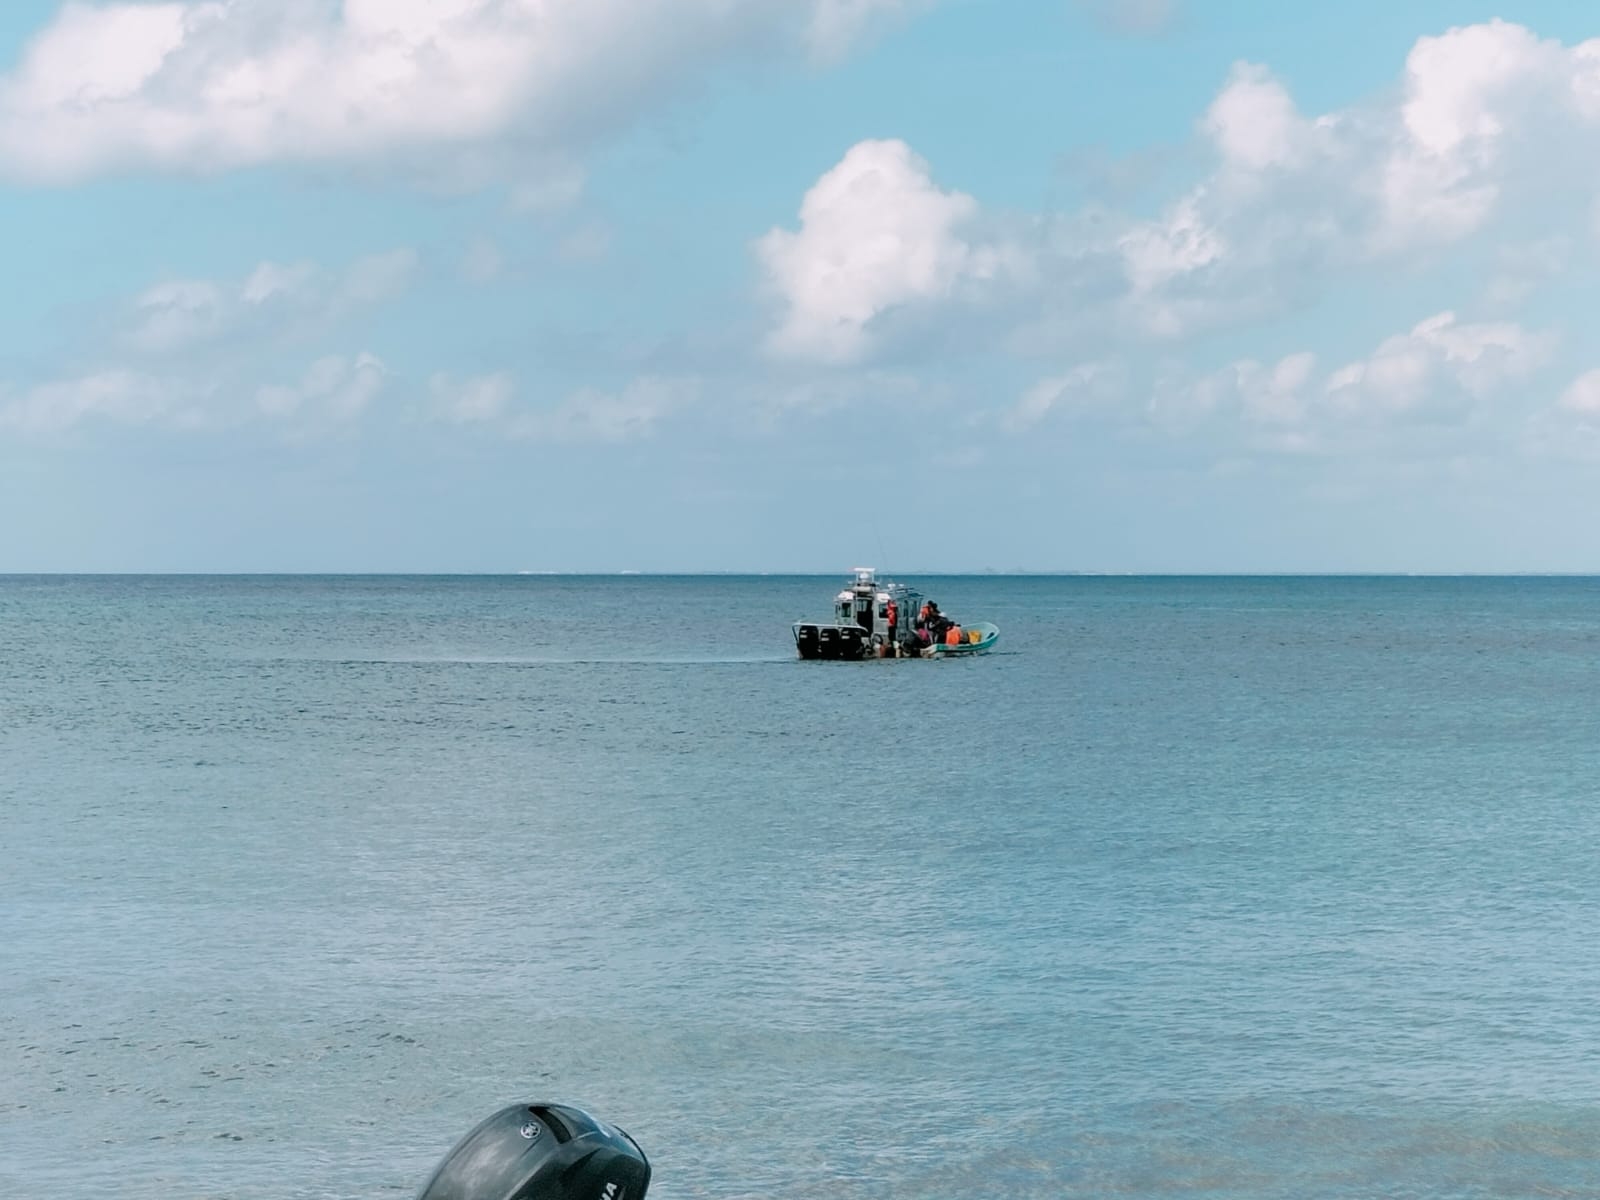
(875, 618)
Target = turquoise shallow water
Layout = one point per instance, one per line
(1202, 887)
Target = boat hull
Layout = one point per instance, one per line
(987, 636)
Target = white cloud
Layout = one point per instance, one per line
(1443, 376)
(270, 280)
(589, 242)
(1249, 404)
(876, 233)
(180, 314)
(1487, 121)
(335, 390)
(766, 404)
(1437, 363)
(1569, 429)
(376, 278)
(1275, 395)
(186, 353)
(555, 187)
(120, 396)
(1178, 244)
(591, 415)
(205, 85)
(1582, 395)
(332, 392)
(177, 313)
(1477, 100)
(474, 401)
(1458, 83)
(1254, 122)
(1522, 268)
(1089, 384)
(836, 25)
(1158, 254)
(1136, 17)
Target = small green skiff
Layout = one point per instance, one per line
(975, 639)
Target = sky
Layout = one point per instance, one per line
(1204, 286)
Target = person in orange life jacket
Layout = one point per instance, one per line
(952, 636)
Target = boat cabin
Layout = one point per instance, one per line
(866, 603)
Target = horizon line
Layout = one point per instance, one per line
(987, 572)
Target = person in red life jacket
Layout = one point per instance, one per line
(894, 621)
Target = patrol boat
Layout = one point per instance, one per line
(876, 618)
(861, 620)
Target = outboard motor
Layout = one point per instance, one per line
(541, 1152)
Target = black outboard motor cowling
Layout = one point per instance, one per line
(541, 1152)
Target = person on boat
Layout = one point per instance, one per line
(894, 620)
(952, 635)
(920, 639)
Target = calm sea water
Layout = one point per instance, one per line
(1203, 887)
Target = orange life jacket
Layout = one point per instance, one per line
(952, 636)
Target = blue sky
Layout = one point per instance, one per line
(679, 285)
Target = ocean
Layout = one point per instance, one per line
(1196, 887)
